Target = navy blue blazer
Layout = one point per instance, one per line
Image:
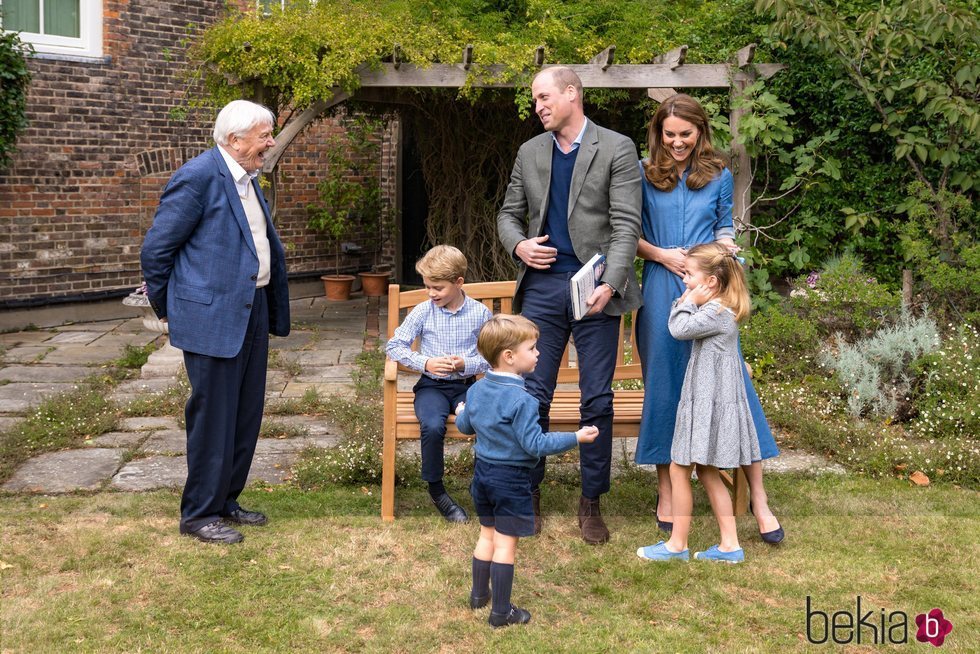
(200, 265)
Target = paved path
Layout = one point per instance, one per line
(148, 453)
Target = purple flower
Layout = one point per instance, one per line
(812, 279)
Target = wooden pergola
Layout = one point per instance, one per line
(660, 78)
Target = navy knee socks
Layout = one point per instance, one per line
(502, 581)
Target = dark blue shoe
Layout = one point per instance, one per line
(774, 537)
(662, 525)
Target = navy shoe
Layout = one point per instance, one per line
(774, 537)
(449, 509)
(241, 516)
(479, 602)
(515, 616)
(214, 532)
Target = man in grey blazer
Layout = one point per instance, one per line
(574, 191)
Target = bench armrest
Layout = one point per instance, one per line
(391, 370)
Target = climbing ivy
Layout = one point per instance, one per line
(15, 78)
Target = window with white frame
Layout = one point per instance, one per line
(59, 27)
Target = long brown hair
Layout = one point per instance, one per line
(717, 260)
(705, 161)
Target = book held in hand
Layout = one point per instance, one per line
(584, 282)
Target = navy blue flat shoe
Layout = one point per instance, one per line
(773, 537)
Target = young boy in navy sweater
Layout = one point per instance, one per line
(446, 327)
(509, 442)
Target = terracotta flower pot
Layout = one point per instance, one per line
(337, 287)
(374, 284)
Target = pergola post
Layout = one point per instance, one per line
(741, 164)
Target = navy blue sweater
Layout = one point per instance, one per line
(504, 417)
(556, 221)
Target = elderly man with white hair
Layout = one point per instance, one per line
(215, 270)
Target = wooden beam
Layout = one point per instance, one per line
(467, 56)
(616, 76)
(604, 58)
(745, 56)
(539, 56)
(659, 95)
(297, 125)
(672, 58)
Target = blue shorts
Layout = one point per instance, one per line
(502, 498)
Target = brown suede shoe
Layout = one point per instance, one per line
(594, 531)
(536, 504)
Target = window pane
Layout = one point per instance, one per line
(21, 15)
(61, 17)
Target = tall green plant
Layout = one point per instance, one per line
(914, 62)
(16, 79)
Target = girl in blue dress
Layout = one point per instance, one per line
(687, 200)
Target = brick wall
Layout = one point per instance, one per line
(82, 188)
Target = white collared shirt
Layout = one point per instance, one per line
(243, 178)
(578, 139)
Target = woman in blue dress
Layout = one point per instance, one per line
(687, 200)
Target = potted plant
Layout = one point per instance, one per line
(349, 199)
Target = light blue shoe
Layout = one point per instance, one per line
(714, 554)
(659, 552)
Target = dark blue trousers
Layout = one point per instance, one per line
(434, 401)
(224, 414)
(547, 302)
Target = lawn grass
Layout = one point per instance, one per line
(109, 573)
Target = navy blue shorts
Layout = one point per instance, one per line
(502, 498)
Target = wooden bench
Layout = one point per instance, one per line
(400, 422)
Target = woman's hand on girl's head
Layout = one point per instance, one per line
(700, 294)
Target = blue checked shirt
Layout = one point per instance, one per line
(442, 333)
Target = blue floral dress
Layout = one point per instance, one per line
(680, 218)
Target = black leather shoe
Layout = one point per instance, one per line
(215, 532)
(479, 602)
(449, 509)
(243, 517)
(516, 616)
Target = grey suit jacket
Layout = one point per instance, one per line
(603, 207)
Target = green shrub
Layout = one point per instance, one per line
(876, 372)
(779, 345)
(948, 403)
(842, 299)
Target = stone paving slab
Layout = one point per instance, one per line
(131, 326)
(150, 423)
(338, 374)
(122, 340)
(79, 337)
(166, 441)
(8, 422)
(145, 386)
(101, 326)
(151, 473)
(297, 340)
(83, 354)
(63, 472)
(298, 389)
(796, 461)
(45, 373)
(27, 354)
(24, 338)
(271, 468)
(324, 357)
(19, 397)
(312, 425)
(127, 439)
